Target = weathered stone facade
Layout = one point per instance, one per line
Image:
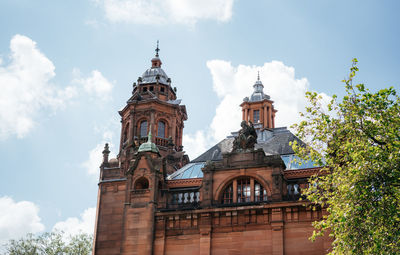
(224, 202)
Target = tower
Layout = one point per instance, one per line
(131, 186)
(153, 105)
(259, 108)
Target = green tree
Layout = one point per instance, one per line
(358, 140)
(50, 243)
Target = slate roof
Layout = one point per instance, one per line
(151, 75)
(273, 141)
(276, 142)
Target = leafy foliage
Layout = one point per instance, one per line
(358, 139)
(50, 243)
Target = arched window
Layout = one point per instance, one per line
(227, 196)
(143, 128)
(161, 129)
(141, 183)
(244, 190)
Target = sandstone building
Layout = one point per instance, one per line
(239, 197)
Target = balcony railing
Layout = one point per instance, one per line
(293, 191)
(162, 141)
(183, 199)
(159, 141)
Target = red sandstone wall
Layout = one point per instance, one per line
(138, 231)
(296, 235)
(246, 242)
(182, 245)
(110, 218)
(295, 239)
(239, 231)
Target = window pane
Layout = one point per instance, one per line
(243, 190)
(257, 192)
(143, 128)
(260, 194)
(227, 197)
(161, 129)
(256, 116)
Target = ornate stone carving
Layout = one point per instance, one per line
(246, 139)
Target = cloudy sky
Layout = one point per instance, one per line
(67, 67)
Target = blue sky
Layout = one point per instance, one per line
(67, 67)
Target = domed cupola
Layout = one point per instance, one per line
(258, 94)
(259, 108)
(155, 73)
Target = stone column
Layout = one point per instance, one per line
(152, 124)
(234, 188)
(252, 190)
(270, 117)
(131, 128)
(173, 133)
(265, 117)
(273, 120)
(262, 116)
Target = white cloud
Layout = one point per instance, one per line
(95, 84)
(17, 219)
(232, 84)
(196, 144)
(74, 225)
(96, 156)
(26, 90)
(166, 11)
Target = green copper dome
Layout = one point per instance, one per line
(148, 146)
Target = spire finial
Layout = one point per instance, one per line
(106, 152)
(258, 76)
(149, 136)
(157, 49)
(148, 146)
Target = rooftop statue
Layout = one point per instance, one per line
(246, 138)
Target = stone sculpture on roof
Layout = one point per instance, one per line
(246, 138)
